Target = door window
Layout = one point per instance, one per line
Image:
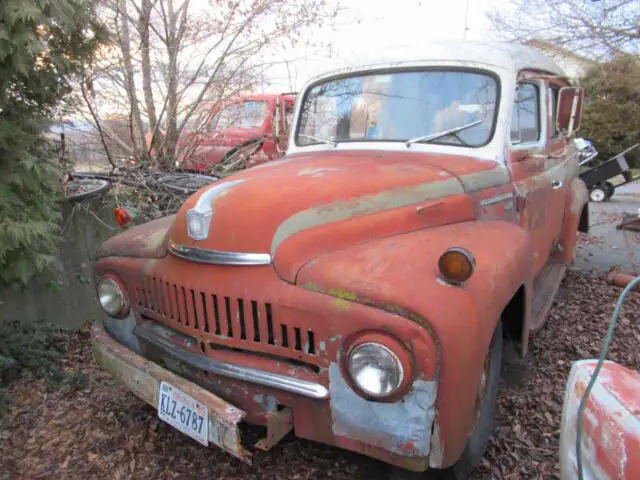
(525, 122)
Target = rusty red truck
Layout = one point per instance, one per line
(248, 131)
(358, 292)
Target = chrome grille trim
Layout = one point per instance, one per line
(224, 369)
(217, 257)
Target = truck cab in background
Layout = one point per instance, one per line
(245, 131)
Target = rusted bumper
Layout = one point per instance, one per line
(143, 378)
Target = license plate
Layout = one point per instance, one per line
(183, 412)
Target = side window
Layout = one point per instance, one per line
(525, 122)
(553, 95)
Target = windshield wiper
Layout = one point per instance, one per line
(328, 141)
(444, 133)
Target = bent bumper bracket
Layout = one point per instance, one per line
(143, 378)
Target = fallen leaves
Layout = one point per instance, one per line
(101, 431)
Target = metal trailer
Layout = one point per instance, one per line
(597, 179)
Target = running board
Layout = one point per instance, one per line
(545, 288)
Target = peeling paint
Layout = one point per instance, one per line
(611, 430)
(322, 346)
(363, 205)
(268, 402)
(315, 172)
(436, 456)
(403, 427)
(341, 304)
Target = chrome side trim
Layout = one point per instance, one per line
(224, 369)
(202, 255)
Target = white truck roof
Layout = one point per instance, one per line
(513, 57)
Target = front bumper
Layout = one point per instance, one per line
(143, 378)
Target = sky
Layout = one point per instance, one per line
(385, 25)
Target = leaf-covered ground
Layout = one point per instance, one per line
(101, 431)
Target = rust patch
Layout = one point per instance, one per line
(143, 378)
(278, 425)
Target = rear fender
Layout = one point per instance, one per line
(400, 275)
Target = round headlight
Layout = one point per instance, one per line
(111, 297)
(375, 369)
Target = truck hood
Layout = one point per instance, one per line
(307, 205)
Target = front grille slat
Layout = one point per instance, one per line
(216, 314)
(298, 336)
(240, 314)
(182, 301)
(207, 310)
(228, 324)
(255, 322)
(222, 319)
(177, 306)
(285, 336)
(198, 314)
(270, 335)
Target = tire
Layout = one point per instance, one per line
(476, 445)
(609, 189)
(82, 188)
(184, 182)
(598, 194)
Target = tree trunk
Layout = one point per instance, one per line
(137, 127)
(143, 26)
(171, 138)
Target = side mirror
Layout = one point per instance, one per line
(569, 110)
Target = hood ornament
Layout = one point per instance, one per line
(199, 217)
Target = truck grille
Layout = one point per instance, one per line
(220, 319)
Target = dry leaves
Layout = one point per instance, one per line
(104, 432)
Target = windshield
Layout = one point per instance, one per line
(401, 106)
(250, 114)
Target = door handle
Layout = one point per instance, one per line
(556, 184)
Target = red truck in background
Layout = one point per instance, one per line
(246, 131)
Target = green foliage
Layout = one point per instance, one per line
(611, 118)
(44, 45)
(33, 347)
(26, 345)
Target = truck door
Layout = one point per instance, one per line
(528, 167)
(562, 164)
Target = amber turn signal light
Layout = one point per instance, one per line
(456, 265)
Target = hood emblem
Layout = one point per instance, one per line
(199, 217)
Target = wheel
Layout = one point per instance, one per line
(184, 182)
(81, 188)
(485, 402)
(598, 194)
(609, 189)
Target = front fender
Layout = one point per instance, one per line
(144, 241)
(577, 214)
(400, 274)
